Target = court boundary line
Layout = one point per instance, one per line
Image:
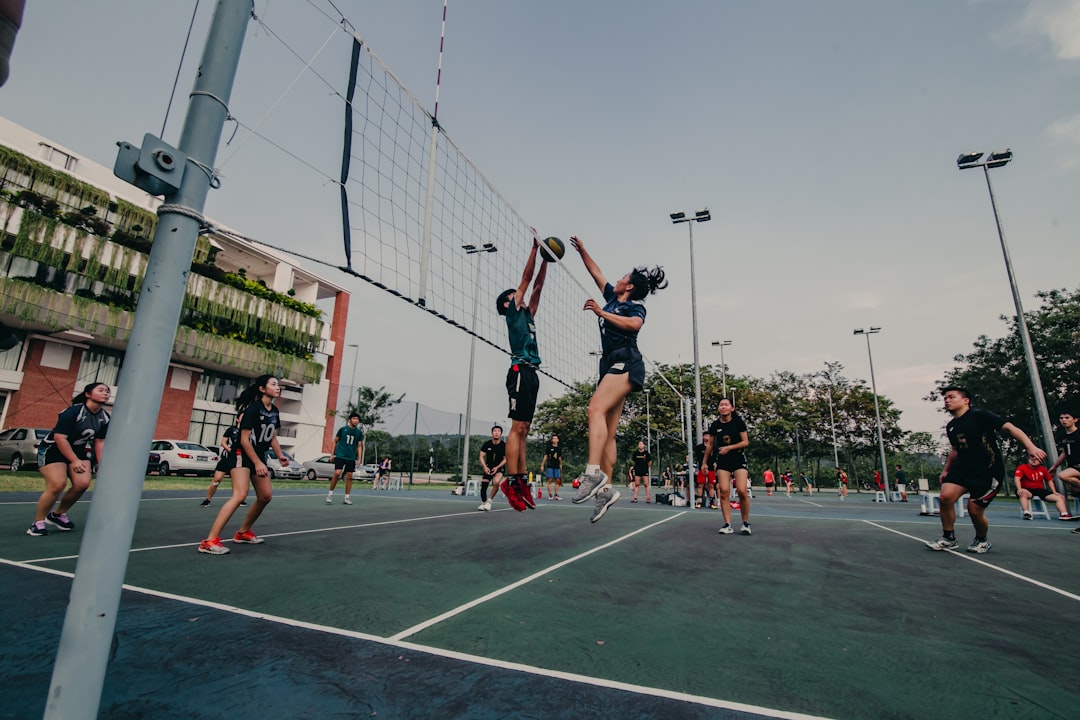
(453, 654)
(523, 581)
(967, 556)
(275, 535)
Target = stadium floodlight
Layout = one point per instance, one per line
(877, 412)
(676, 218)
(968, 160)
(998, 159)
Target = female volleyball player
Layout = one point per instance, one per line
(65, 455)
(259, 423)
(622, 370)
(725, 442)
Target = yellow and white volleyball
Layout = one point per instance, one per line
(552, 248)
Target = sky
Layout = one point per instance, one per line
(822, 135)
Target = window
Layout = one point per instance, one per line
(103, 366)
(58, 157)
(206, 427)
(219, 388)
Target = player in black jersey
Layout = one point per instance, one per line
(551, 468)
(230, 445)
(259, 423)
(622, 370)
(65, 455)
(725, 442)
(974, 466)
(492, 461)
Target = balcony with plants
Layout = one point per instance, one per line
(73, 258)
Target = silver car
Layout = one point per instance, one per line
(19, 447)
(320, 467)
(295, 471)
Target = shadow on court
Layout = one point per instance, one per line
(414, 605)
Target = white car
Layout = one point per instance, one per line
(181, 457)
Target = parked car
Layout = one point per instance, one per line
(320, 467)
(295, 471)
(323, 467)
(19, 446)
(180, 457)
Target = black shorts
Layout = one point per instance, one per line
(731, 462)
(522, 386)
(982, 490)
(226, 463)
(1041, 493)
(347, 466)
(625, 360)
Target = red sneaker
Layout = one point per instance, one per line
(213, 546)
(525, 492)
(512, 496)
(247, 537)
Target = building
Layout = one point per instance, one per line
(75, 242)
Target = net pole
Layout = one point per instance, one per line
(425, 252)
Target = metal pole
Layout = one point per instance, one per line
(723, 369)
(86, 639)
(832, 424)
(1025, 339)
(472, 367)
(693, 319)
(690, 469)
(877, 414)
(648, 422)
(412, 462)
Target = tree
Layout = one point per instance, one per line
(371, 405)
(996, 374)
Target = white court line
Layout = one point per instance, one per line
(274, 535)
(513, 586)
(453, 655)
(968, 556)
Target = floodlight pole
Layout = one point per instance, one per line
(472, 250)
(676, 218)
(723, 367)
(993, 160)
(877, 412)
(90, 622)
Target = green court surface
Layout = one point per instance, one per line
(415, 605)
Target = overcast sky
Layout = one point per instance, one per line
(822, 135)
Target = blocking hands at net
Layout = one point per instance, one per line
(522, 382)
(622, 370)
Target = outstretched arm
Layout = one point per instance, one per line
(526, 275)
(538, 285)
(1021, 437)
(590, 264)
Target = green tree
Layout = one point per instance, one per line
(996, 374)
(371, 405)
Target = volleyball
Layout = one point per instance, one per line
(552, 248)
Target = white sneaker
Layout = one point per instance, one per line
(347, 500)
(329, 499)
(727, 529)
(485, 506)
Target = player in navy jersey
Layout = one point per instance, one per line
(259, 423)
(725, 443)
(65, 454)
(974, 466)
(622, 370)
(551, 468)
(522, 382)
(230, 445)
